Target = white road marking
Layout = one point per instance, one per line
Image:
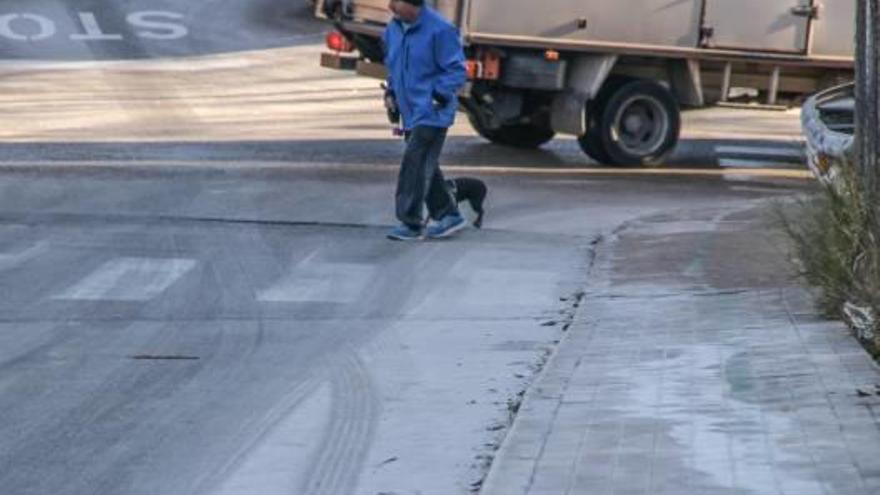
(46, 28)
(150, 24)
(760, 151)
(277, 463)
(158, 30)
(762, 190)
(129, 279)
(311, 281)
(749, 163)
(93, 31)
(523, 288)
(519, 291)
(11, 260)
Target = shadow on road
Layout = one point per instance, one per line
(460, 150)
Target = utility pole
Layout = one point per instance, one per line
(868, 98)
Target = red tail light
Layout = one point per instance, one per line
(338, 43)
(486, 66)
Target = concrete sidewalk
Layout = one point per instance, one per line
(696, 365)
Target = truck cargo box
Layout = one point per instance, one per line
(793, 29)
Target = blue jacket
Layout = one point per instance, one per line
(425, 65)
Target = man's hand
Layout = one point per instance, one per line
(390, 100)
(391, 107)
(440, 101)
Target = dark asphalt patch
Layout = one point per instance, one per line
(152, 357)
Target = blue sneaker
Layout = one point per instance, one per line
(404, 232)
(447, 226)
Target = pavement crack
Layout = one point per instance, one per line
(673, 294)
(42, 218)
(165, 357)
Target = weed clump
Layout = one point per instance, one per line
(835, 238)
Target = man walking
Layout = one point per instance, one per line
(426, 68)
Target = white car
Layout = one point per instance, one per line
(828, 121)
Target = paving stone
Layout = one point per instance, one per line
(671, 387)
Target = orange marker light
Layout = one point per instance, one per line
(474, 69)
(551, 55)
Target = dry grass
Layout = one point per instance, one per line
(836, 236)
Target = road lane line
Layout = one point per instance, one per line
(129, 279)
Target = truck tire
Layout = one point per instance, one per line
(527, 136)
(591, 142)
(637, 123)
(369, 47)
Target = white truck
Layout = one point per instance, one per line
(615, 73)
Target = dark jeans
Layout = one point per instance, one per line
(420, 180)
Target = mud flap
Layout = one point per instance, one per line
(585, 78)
(687, 83)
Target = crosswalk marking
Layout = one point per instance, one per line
(745, 163)
(505, 286)
(524, 291)
(760, 151)
(743, 156)
(11, 260)
(129, 279)
(760, 190)
(311, 281)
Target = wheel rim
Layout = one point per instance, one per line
(640, 125)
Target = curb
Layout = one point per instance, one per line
(542, 398)
(232, 167)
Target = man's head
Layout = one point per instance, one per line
(406, 10)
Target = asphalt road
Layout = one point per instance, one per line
(196, 296)
(138, 29)
(216, 331)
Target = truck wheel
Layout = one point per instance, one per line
(639, 124)
(591, 142)
(369, 47)
(517, 136)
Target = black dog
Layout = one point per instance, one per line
(471, 190)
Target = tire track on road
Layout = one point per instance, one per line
(349, 434)
(258, 430)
